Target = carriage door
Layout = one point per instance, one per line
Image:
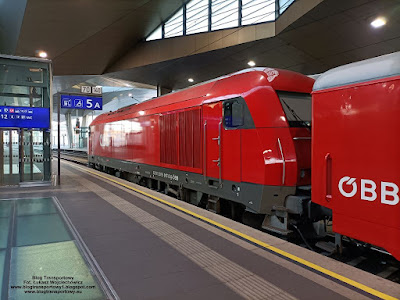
(212, 147)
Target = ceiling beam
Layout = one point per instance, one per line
(147, 53)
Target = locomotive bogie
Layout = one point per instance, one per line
(256, 198)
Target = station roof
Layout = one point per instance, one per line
(106, 38)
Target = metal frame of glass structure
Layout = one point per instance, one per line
(37, 239)
(25, 152)
(198, 16)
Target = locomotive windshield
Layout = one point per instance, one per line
(297, 107)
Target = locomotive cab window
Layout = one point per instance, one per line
(233, 114)
(297, 108)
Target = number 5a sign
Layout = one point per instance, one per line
(81, 102)
(94, 104)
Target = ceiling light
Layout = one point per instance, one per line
(378, 22)
(251, 63)
(191, 80)
(42, 54)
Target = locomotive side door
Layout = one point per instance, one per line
(233, 122)
(212, 147)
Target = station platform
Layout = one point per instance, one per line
(151, 246)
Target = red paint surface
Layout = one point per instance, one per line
(356, 130)
(248, 155)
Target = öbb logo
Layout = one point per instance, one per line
(389, 190)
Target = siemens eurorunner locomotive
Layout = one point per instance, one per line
(241, 145)
(237, 143)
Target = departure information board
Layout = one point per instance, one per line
(81, 102)
(24, 117)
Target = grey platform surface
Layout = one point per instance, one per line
(150, 251)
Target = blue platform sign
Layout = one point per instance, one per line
(24, 117)
(81, 102)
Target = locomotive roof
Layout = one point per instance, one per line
(278, 79)
(371, 69)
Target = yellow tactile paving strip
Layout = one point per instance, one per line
(274, 249)
(239, 279)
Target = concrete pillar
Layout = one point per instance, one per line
(69, 128)
(85, 135)
(84, 121)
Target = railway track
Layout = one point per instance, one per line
(361, 256)
(354, 253)
(78, 157)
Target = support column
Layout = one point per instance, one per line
(21, 144)
(58, 140)
(84, 121)
(47, 155)
(84, 131)
(69, 128)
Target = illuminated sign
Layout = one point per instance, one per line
(24, 117)
(81, 102)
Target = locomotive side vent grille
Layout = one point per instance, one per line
(180, 138)
(168, 139)
(190, 138)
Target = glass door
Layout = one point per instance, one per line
(9, 157)
(31, 152)
(22, 157)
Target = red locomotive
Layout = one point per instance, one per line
(355, 149)
(241, 144)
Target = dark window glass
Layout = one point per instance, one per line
(233, 114)
(297, 107)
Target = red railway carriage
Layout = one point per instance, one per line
(355, 149)
(242, 140)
